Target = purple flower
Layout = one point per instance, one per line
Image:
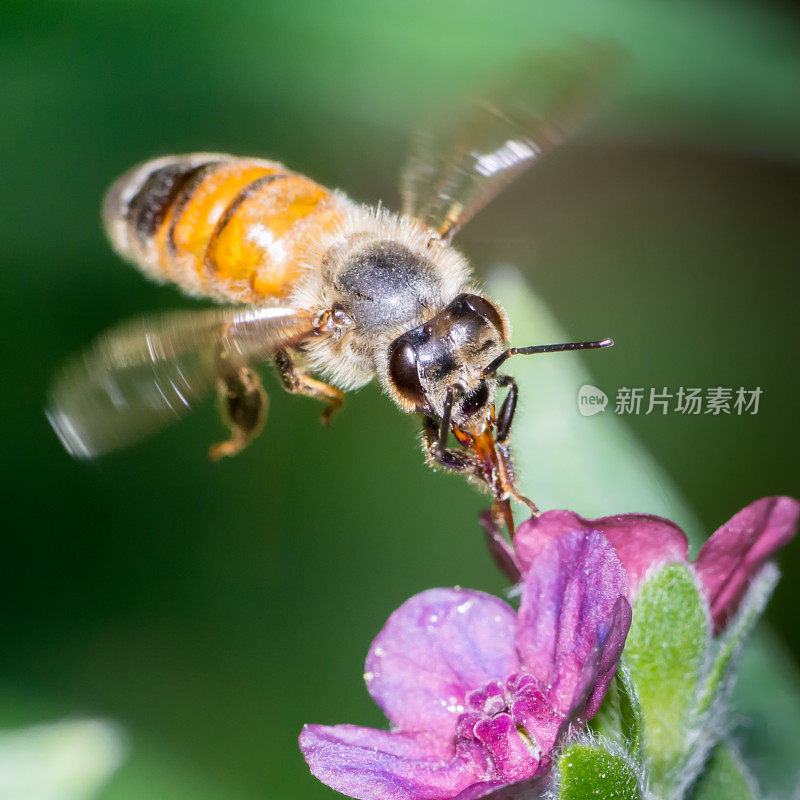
(478, 695)
(724, 567)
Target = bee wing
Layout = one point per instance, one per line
(454, 170)
(146, 373)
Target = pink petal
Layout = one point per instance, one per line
(609, 655)
(435, 648)
(511, 759)
(499, 790)
(493, 788)
(643, 542)
(737, 550)
(531, 709)
(569, 611)
(369, 764)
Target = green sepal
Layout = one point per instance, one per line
(664, 653)
(631, 719)
(591, 770)
(620, 719)
(606, 722)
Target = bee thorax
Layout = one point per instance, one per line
(385, 285)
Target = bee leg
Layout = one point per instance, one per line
(243, 404)
(296, 381)
(506, 415)
(460, 461)
(454, 460)
(504, 420)
(510, 481)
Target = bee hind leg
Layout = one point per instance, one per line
(243, 405)
(296, 381)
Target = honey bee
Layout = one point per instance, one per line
(333, 292)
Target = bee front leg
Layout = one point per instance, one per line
(506, 415)
(460, 461)
(243, 403)
(454, 460)
(296, 381)
(504, 420)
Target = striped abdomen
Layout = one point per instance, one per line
(232, 228)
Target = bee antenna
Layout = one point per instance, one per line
(543, 348)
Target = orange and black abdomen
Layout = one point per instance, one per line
(231, 228)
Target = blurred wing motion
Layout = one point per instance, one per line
(454, 171)
(146, 373)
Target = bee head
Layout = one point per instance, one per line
(449, 353)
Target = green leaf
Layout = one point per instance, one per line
(590, 770)
(724, 777)
(62, 761)
(665, 652)
(592, 465)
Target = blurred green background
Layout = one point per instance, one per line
(211, 610)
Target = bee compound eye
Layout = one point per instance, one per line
(480, 305)
(403, 371)
(458, 306)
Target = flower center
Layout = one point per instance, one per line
(514, 724)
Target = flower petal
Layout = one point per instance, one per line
(493, 788)
(643, 542)
(511, 756)
(737, 550)
(498, 790)
(569, 610)
(434, 649)
(369, 764)
(533, 711)
(609, 655)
